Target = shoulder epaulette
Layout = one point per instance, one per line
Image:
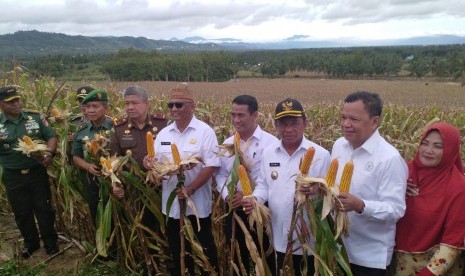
(159, 116)
(119, 122)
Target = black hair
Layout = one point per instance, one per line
(248, 100)
(372, 101)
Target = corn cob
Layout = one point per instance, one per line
(55, 112)
(105, 163)
(237, 142)
(245, 182)
(307, 161)
(27, 140)
(175, 153)
(346, 177)
(331, 174)
(150, 148)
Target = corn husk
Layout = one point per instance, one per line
(31, 148)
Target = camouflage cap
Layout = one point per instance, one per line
(97, 95)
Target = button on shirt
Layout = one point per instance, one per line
(198, 139)
(280, 192)
(379, 179)
(252, 150)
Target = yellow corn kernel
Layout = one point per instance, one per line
(150, 148)
(175, 153)
(307, 161)
(237, 141)
(332, 172)
(94, 146)
(105, 163)
(245, 182)
(346, 177)
(27, 140)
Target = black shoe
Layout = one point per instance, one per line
(27, 251)
(51, 250)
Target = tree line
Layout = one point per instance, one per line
(443, 62)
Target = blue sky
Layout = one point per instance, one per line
(248, 21)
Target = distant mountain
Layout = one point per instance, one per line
(32, 43)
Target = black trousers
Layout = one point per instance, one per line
(205, 238)
(358, 270)
(296, 262)
(28, 192)
(93, 196)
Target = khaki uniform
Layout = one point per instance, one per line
(128, 136)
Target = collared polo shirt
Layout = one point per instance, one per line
(252, 150)
(276, 184)
(198, 139)
(379, 179)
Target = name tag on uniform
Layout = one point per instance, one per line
(165, 143)
(275, 164)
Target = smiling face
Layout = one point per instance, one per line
(135, 107)
(357, 124)
(181, 111)
(243, 120)
(431, 149)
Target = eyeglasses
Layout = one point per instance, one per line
(177, 105)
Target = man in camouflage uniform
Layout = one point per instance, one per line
(96, 104)
(25, 178)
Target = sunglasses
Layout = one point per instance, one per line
(177, 105)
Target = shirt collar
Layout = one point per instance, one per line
(304, 144)
(192, 124)
(370, 144)
(5, 118)
(132, 124)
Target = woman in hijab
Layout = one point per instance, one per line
(430, 237)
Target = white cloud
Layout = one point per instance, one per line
(257, 20)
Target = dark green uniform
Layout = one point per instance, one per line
(87, 133)
(26, 180)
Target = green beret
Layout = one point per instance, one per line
(97, 95)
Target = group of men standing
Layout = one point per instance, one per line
(374, 204)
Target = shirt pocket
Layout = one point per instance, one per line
(127, 142)
(190, 150)
(366, 185)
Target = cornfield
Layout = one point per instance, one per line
(409, 107)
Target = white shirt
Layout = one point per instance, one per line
(280, 192)
(252, 150)
(198, 139)
(379, 179)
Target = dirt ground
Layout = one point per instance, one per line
(64, 262)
